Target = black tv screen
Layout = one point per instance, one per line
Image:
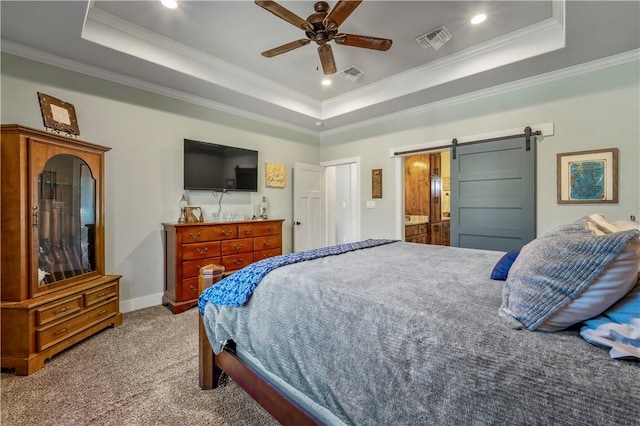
(209, 166)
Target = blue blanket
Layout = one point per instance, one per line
(236, 289)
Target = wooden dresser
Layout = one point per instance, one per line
(234, 245)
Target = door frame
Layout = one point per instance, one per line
(546, 129)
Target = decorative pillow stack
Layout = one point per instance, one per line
(572, 274)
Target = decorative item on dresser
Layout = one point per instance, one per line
(234, 245)
(54, 288)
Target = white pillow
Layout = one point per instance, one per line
(626, 225)
(599, 226)
(618, 278)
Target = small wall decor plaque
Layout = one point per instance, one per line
(194, 214)
(58, 116)
(588, 176)
(275, 175)
(376, 183)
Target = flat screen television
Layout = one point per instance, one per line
(209, 166)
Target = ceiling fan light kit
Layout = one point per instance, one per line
(321, 27)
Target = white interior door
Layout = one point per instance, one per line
(308, 207)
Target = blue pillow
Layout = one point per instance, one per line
(501, 270)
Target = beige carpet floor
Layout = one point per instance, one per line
(144, 372)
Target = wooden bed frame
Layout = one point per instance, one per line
(211, 368)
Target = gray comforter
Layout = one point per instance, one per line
(408, 334)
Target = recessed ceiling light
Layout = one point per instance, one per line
(170, 4)
(326, 82)
(478, 19)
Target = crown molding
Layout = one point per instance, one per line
(121, 35)
(57, 61)
(573, 71)
(536, 39)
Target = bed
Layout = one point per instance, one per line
(403, 333)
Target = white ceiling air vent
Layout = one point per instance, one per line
(352, 73)
(435, 38)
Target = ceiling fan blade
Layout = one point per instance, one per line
(285, 48)
(340, 12)
(285, 14)
(326, 59)
(363, 41)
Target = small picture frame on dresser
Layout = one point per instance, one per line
(194, 214)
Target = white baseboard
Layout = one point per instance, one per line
(140, 303)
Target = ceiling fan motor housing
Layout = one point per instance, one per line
(320, 34)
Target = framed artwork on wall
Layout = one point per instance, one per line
(376, 183)
(585, 177)
(275, 175)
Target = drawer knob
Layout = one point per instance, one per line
(226, 232)
(238, 261)
(248, 231)
(267, 243)
(194, 236)
(104, 293)
(104, 311)
(271, 230)
(193, 288)
(59, 332)
(59, 311)
(202, 251)
(238, 247)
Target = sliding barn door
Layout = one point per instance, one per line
(493, 194)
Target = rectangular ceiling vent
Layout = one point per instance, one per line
(352, 73)
(435, 38)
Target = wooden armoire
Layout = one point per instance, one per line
(55, 292)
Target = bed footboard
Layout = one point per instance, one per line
(211, 367)
(208, 372)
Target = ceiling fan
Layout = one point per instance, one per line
(322, 27)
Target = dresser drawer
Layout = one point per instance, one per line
(237, 261)
(100, 294)
(237, 246)
(59, 310)
(192, 267)
(53, 334)
(264, 243)
(259, 229)
(200, 250)
(264, 254)
(188, 290)
(199, 234)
